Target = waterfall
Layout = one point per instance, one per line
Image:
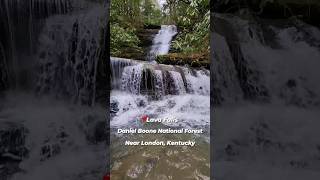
(177, 80)
(21, 23)
(117, 66)
(49, 56)
(265, 82)
(157, 91)
(161, 3)
(161, 90)
(68, 56)
(47, 47)
(131, 78)
(139, 77)
(162, 41)
(256, 62)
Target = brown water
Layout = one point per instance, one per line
(159, 162)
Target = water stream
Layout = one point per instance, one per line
(49, 52)
(159, 91)
(162, 41)
(265, 84)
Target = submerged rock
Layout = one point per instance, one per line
(12, 147)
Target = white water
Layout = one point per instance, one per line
(131, 76)
(183, 94)
(180, 91)
(288, 146)
(199, 83)
(162, 41)
(68, 157)
(178, 81)
(161, 3)
(66, 57)
(191, 110)
(159, 91)
(293, 58)
(278, 139)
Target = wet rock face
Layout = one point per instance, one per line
(44, 47)
(146, 36)
(114, 107)
(20, 26)
(72, 73)
(295, 92)
(307, 11)
(4, 81)
(12, 147)
(12, 140)
(69, 57)
(95, 129)
(53, 145)
(252, 50)
(250, 79)
(49, 150)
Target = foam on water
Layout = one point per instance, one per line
(190, 110)
(56, 137)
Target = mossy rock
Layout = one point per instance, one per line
(193, 60)
(129, 53)
(146, 37)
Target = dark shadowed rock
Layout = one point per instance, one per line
(12, 147)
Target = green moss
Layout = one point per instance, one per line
(193, 60)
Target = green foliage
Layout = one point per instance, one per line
(123, 38)
(126, 18)
(193, 19)
(154, 17)
(186, 12)
(134, 13)
(194, 40)
(125, 12)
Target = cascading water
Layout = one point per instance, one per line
(21, 23)
(47, 47)
(162, 41)
(265, 84)
(139, 77)
(160, 91)
(264, 64)
(49, 53)
(68, 57)
(117, 67)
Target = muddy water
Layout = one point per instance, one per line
(160, 162)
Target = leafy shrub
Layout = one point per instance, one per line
(196, 39)
(123, 38)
